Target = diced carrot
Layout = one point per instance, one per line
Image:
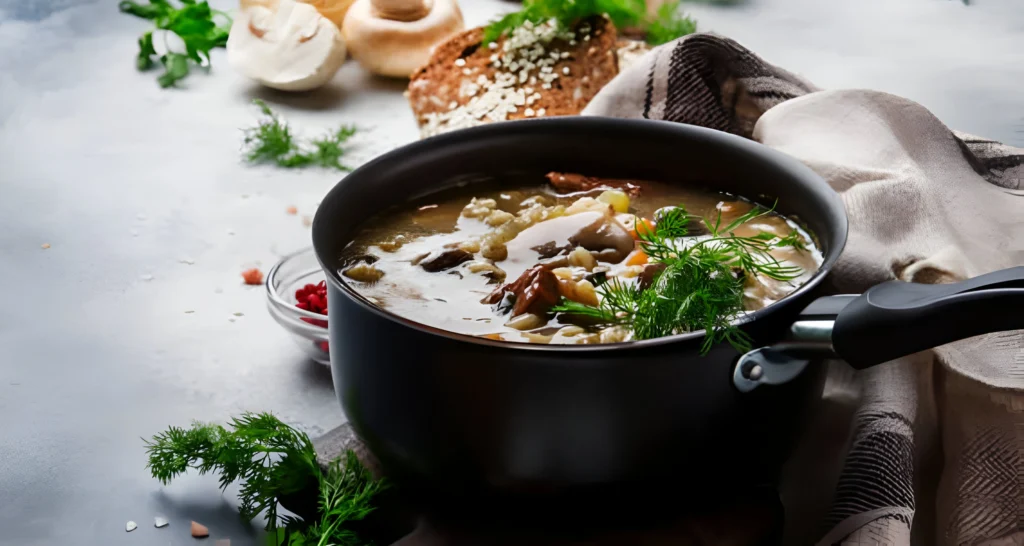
(638, 257)
(495, 337)
(642, 226)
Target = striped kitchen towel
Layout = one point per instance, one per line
(924, 450)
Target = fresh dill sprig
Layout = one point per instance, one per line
(272, 141)
(346, 495)
(272, 460)
(701, 284)
(666, 26)
(196, 25)
(751, 254)
(247, 451)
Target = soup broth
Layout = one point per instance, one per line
(508, 260)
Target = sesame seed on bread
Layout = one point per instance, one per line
(534, 71)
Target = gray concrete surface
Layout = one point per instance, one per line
(127, 182)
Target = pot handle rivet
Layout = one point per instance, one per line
(766, 366)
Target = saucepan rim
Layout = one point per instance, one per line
(791, 165)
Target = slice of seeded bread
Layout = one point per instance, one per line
(535, 71)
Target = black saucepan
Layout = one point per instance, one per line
(481, 419)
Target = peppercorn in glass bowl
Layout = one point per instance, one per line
(297, 299)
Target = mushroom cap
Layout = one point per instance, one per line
(334, 10)
(291, 47)
(398, 48)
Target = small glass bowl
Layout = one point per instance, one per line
(308, 329)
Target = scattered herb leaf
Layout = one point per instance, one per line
(194, 23)
(176, 66)
(146, 52)
(272, 141)
(666, 26)
(701, 286)
(271, 459)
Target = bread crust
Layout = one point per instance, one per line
(456, 88)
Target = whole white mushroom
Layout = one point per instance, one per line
(290, 46)
(395, 37)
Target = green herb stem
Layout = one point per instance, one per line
(272, 141)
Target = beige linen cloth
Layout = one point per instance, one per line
(927, 449)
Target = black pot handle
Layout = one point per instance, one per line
(896, 318)
(890, 320)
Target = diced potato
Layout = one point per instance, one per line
(526, 321)
(363, 273)
(586, 294)
(568, 331)
(563, 273)
(536, 338)
(470, 246)
(617, 199)
(581, 257)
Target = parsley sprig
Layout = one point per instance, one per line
(667, 25)
(272, 141)
(701, 285)
(194, 23)
(272, 460)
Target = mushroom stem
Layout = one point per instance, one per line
(401, 10)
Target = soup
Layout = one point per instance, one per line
(572, 259)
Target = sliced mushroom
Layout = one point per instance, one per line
(607, 238)
(535, 291)
(549, 249)
(445, 259)
(288, 46)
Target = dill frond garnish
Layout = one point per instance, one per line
(271, 460)
(701, 284)
(666, 26)
(272, 141)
